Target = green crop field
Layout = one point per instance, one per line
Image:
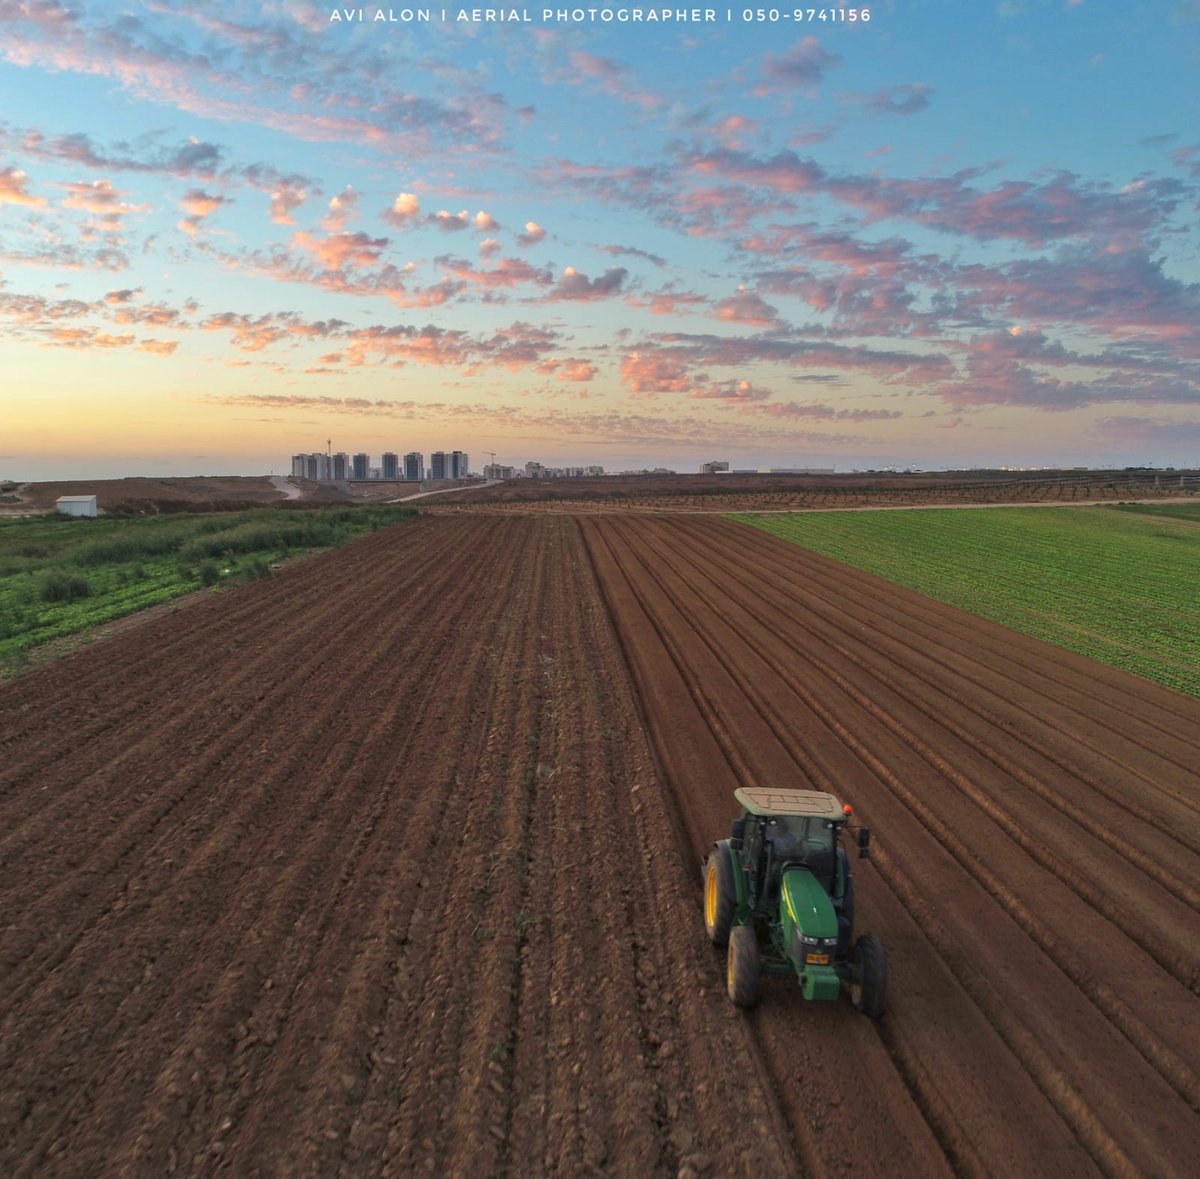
(61, 575)
(1121, 583)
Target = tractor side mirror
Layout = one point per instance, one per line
(737, 831)
(864, 842)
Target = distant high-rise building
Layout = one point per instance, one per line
(414, 466)
(361, 466)
(299, 465)
(459, 465)
(391, 466)
(317, 467)
(437, 465)
(341, 466)
(713, 467)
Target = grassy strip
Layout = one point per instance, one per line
(1117, 584)
(60, 575)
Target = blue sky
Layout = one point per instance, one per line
(951, 234)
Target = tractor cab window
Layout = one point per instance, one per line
(805, 841)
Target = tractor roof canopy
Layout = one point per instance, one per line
(764, 800)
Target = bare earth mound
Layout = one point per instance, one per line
(389, 863)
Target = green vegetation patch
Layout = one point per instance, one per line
(60, 575)
(1120, 584)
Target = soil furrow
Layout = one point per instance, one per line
(657, 553)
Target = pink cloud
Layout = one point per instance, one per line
(611, 76)
(734, 130)
(668, 302)
(518, 346)
(577, 287)
(88, 338)
(404, 210)
(284, 199)
(1035, 213)
(342, 208)
(254, 333)
(572, 369)
(191, 157)
(653, 372)
(748, 308)
(152, 315)
(451, 222)
(101, 200)
(14, 189)
(158, 347)
(533, 234)
(734, 392)
(199, 204)
(340, 250)
(506, 273)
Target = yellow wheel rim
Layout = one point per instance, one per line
(710, 898)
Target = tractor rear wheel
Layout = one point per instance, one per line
(742, 969)
(868, 990)
(720, 896)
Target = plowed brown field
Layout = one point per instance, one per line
(389, 863)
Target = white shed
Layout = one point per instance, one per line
(76, 505)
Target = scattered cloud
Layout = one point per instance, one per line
(801, 66)
(575, 286)
(404, 210)
(198, 205)
(533, 234)
(14, 189)
(341, 250)
(450, 221)
(907, 98)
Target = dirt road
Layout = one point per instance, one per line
(390, 863)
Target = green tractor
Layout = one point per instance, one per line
(780, 894)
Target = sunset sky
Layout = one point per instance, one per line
(954, 234)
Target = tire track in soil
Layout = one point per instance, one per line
(217, 861)
(1139, 1035)
(341, 1076)
(200, 659)
(740, 551)
(180, 801)
(1157, 724)
(837, 1119)
(254, 944)
(888, 703)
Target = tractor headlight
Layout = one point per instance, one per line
(818, 941)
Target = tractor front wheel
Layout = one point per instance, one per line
(868, 989)
(742, 971)
(720, 896)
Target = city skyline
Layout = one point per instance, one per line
(923, 237)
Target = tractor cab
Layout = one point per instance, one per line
(791, 829)
(780, 893)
